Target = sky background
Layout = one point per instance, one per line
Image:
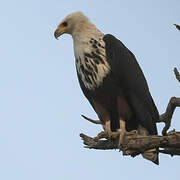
(40, 98)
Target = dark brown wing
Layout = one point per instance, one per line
(130, 78)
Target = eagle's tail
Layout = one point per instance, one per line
(151, 154)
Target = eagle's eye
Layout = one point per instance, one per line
(64, 24)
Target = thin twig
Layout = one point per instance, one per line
(91, 120)
(177, 74)
(177, 26)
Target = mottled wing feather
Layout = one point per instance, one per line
(130, 78)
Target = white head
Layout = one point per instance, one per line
(74, 24)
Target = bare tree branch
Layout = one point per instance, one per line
(173, 103)
(137, 144)
(91, 120)
(177, 74)
(167, 116)
(177, 26)
(170, 151)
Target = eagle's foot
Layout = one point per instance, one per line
(113, 135)
(106, 135)
(101, 135)
(131, 133)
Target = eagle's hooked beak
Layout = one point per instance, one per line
(56, 34)
(59, 31)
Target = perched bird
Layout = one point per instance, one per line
(110, 78)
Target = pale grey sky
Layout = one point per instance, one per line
(41, 101)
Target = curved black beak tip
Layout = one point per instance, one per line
(56, 34)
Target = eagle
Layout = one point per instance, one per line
(110, 78)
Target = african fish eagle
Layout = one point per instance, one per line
(110, 78)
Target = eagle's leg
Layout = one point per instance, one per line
(107, 131)
(122, 133)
